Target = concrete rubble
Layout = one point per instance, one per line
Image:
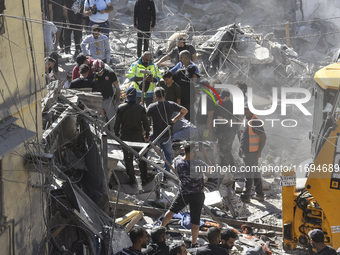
(90, 189)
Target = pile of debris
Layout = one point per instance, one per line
(92, 206)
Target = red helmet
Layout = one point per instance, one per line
(98, 66)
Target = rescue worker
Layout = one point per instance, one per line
(144, 19)
(135, 75)
(104, 81)
(252, 141)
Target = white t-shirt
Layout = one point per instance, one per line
(101, 5)
(49, 31)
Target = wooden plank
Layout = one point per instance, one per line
(134, 221)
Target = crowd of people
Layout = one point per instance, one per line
(169, 97)
(220, 243)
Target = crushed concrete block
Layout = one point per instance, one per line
(213, 198)
(239, 186)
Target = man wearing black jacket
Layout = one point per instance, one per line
(144, 20)
(158, 246)
(213, 248)
(130, 121)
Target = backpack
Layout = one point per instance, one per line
(78, 6)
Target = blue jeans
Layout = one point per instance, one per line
(185, 134)
(166, 146)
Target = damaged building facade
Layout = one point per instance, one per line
(23, 198)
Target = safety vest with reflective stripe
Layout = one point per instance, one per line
(135, 72)
(254, 139)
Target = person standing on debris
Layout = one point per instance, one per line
(181, 45)
(51, 39)
(104, 80)
(228, 238)
(317, 240)
(187, 78)
(224, 130)
(139, 239)
(172, 89)
(144, 70)
(185, 61)
(82, 81)
(82, 59)
(161, 113)
(99, 46)
(130, 122)
(55, 11)
(73, 21)
(178, 249)
(158, 246)
(252, 141)
(213, 248)
(98, 12)
(191, 188)
(144, 20)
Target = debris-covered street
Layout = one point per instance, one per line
(169, 127)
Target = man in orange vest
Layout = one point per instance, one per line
(252, 141)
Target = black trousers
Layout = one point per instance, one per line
(143, 36)
(77, 35)
(128, 159)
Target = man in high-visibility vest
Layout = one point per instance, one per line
(252, 141)
(136, 75)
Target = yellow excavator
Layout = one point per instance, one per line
(316, 203)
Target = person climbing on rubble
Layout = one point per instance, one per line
(139, 239)
(252, 141)
(158, 246)
(181, 45)
(98, 45)
(131, 122)
(178, 249)
(213, 248)
(144, 70)
(228, 238)
(191, 188)
(104, 80)
(161, 113)
(144, 20)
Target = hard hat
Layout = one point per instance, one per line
(98, 66)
